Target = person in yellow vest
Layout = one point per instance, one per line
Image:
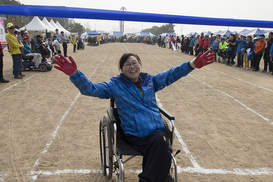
(74, 42)
(15, 48)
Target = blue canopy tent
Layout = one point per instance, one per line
(245, 31)
(192, 34)
(219, 32)
(93, 33)
(145, 34)
(227, 33)
(256, 32)
(116, 34)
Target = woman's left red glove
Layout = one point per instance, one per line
(68, 67)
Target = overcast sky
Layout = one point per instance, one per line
(236, 9)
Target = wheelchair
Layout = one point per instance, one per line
(113, 145)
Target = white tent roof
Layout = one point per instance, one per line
(50, 27)
(62, 28)
(36, 25)
(53, 24)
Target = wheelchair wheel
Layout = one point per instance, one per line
(106, 149)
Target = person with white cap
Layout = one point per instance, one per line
(258, 53)
(15, 48)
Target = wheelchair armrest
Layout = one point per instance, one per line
(110, 112)
(166, 113)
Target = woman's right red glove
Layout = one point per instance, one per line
(68, 67)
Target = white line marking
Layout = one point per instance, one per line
(2, 176)
(236, 171)
(242, 80)
(54, 134)
(236, 100)
(24, 80)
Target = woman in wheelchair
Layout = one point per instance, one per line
(37, 57)
(134, 94)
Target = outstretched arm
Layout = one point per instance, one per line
(101, 90)
(170, 76)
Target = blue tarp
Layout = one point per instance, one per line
(95, 32)
(227, 33)
(86, 13)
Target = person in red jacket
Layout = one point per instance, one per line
(201, 43)
(2, 80)
(206, 43)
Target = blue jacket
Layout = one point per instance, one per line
(139, 114)
(27, 48)
(241, 45)
(271, 51)
(192, 42)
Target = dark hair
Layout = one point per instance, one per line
(125, 57)
(249, 36)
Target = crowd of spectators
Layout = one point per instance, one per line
(244, 51)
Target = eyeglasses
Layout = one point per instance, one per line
(128, 65)
(11, 27)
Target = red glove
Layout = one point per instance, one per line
(65, 66)
(203, 60)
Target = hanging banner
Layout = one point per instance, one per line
(2, 31)
(85, 13)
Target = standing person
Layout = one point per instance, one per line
(192, 42)
(201, 43)
(2, 80)
(134, 94)
(206, 43)
(258, 53)
(240, 55)
(57, 34)
(74, 42)
(64, 41)
(177, 43)
(215, 45)
(248, 52)
(196, 48)
(266, 53)
(56, 44)
(232, 44)
(37, 57)
(15, 47)
(271, 57)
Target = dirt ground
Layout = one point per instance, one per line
(49, 132)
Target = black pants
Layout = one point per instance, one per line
(74, 48)
(240, 59)
(267, 61)
(1, 66)
(200, 49)
(231, 56)
(156, 156)
(191, 50)
(256, 60)
(65, 48)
